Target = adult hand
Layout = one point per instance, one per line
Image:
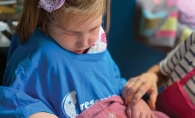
(139, 110)
(136, 87)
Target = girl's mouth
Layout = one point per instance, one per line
(79, 51)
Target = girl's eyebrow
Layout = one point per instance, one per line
(97, 26)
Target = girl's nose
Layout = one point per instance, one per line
(83, 40)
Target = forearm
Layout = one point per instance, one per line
(161, 79)
(43, 115)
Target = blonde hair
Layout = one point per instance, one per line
(33, 17)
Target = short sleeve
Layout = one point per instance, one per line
(121, 81)
(17, 104)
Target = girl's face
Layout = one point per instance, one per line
(78, 36)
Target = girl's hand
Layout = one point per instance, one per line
(139, 110)
(136, 87)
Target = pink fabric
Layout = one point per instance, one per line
(112, 107)
(186, 10)
(174, 102)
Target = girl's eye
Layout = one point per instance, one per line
(70, 33)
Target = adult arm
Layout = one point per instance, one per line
(147, 82)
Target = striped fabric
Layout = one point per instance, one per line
(186, 10)
(179, 62)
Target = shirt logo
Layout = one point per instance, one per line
(69, 105)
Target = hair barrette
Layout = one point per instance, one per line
(50, 5)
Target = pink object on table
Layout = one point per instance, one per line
(174, 101)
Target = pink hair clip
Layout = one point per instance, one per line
(50, 5)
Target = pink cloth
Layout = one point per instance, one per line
(112, 107)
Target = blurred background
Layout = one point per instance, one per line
(10, 11)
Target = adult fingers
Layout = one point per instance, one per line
(141, 91)
(131, 90)
(127, 86)
(153, 96)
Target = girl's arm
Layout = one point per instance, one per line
(43, 115)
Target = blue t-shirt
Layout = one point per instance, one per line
(41, 76)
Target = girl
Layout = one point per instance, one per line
(61, 66)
